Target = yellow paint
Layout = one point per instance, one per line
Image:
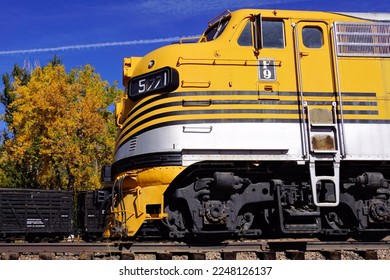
(223, 65)
(141, 188)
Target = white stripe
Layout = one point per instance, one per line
(96, 45)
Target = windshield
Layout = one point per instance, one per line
(214, 31)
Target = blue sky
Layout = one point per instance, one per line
(78, 30)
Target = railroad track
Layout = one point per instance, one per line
(264, 249)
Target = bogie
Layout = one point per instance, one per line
(226, 204)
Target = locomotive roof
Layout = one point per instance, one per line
(362, 15)
(369, 16)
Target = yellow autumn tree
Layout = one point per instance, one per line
(63, 128)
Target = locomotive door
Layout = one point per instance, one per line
(318, 107)
(315, 54)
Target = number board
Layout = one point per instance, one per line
(159, 81)
(267, 69)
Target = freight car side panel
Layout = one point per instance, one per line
(24, 212)
(91, 212)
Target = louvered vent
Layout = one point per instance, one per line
(363, 39)
(133, 143)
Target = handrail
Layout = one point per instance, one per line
(337, 77)
(305, 144)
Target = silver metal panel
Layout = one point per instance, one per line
(367, 141)
(219, 137)
(260, 141)
(369, 16)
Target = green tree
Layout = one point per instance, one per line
(8, 95)
(63, 130)
(12, 174)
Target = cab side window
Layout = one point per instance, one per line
(246, 36)
(312, 37)
(272, 34)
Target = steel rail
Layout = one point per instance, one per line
(177, 247)
(75, 247)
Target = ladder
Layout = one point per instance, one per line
(324, 154)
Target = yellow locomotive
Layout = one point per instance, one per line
(272, 123)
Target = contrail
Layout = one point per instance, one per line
(96, 45)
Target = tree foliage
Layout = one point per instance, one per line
(12, 174)
(8, 95)
(63, 130)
